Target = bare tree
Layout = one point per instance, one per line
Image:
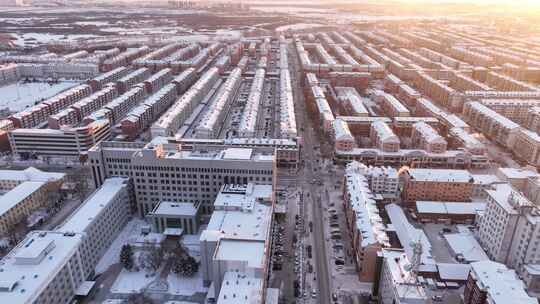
(80, 180)
(151, 257)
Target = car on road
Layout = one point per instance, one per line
(334, 297)
(314, 293)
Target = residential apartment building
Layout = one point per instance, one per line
(390, 105)
(9, 73)
(459, 138)
(532, 121)
(163, 171)
(436, 185)
(509, 231)
(25, 192)
(382, 137)
(492, 124)
(365, 225)
(426, 138)
(513, 109)
(492, 283)
(526, 147)
(343, 138)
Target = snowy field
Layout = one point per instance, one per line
(297, 26)
(18, 96)
(133, 281)
(43, 38)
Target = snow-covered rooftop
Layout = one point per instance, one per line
(408, 235)
(466, 245)
(251, 252)
(403, 281)
(501, 284)
(29, 267)
(384, 132)
(240, 213)
(30, 174)
(175, 209)
(240, 288)
(94, 205)
(368, 220)
(440, 175)
(427, 132)
(341, 130)
(18, 194)
(449, 207)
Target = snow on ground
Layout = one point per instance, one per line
(43, 38)
(186, 286)
(297, 26)
(17, 96)
(128, 234)
(132, 281)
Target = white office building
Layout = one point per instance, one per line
(46, 267)
(100, 219)
(236, 240)
(165, 172)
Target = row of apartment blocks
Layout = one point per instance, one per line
(38, 114)
(179, 56)
(361, 62)
(524, 144)
(427, 143)
(88, 120)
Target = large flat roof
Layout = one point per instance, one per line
(94, 205)
(440, 175)
(240, 288)
(250, 251)
(240, 214)
(173, 208)
(28, 280)
(465, 244)
(501, 284)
